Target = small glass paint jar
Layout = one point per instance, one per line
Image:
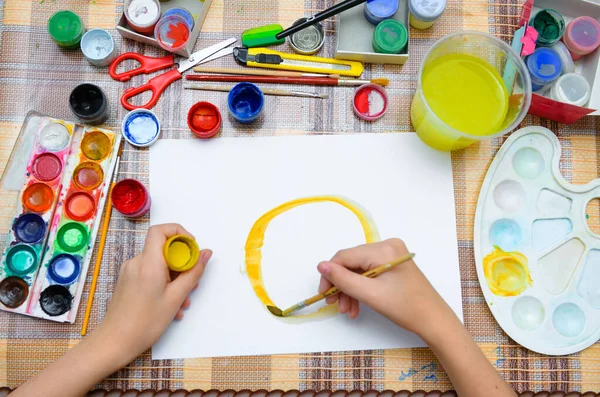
(131, 198)
(246, 102)
(308, 41)
(545, 66)
(377, 11)
(550, 26)
(390, 37)
(424, 13)
(204, 120)
(98, 47)
(142, 15)
(141, 127)
(182, 12)
(582, 36)
(66, 29)
(571, 88)
(172, 32)
(568, 65)
(89, 103)
(370, 102)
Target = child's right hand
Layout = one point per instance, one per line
(401, 294)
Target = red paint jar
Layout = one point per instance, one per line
(131, 198)
(204, 119)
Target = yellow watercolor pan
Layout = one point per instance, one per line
(181, 253)
(536, 253)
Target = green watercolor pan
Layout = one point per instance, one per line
(61, 171)
(537, 256)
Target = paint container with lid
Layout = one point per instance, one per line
(390, 37)
(582, 36)
(13, 292)
(204, 120)
(98, 47)
(141, 127)
(550, 26)
(568, 65)
(308, 41)
(142, 15)
(424, 13)
(181, 253)
(89, 103)
(182, 12)
(131, 198)
(56, 300)
(571, 88)
(66, 29)
(545, 66)
(172, 32)
(246, 102)
(377, 11)
(370, 102)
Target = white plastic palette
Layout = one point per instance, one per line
(528, 210)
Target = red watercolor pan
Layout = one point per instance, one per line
(46, 167)
(131, 198)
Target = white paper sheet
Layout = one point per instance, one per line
(218, 188)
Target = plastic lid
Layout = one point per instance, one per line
(427, 10)
(172, 32)
(573, 89)
(65, 27)
(568, 65)
(583, 35)
(390, 37)
(382, 9)
(544, 65)
(370, 102)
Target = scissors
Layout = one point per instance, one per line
(159, 83)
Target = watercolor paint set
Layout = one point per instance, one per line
(538, 261)
(62, 171)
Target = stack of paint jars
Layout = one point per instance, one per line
(390, 36)
(172, 29)
(552, 65)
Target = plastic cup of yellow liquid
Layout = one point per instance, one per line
(472, 87)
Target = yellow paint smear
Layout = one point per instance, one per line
(256, 238)
(507, 273)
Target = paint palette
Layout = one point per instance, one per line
(63, 172)
(538, 262)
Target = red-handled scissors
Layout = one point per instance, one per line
(159, 83)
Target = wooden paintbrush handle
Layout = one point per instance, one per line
(266, 79)
(279, 73)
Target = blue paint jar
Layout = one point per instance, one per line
(545, 66)
(141, 127)
(245, 102)
(379, 10)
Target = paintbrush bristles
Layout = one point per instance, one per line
(382, 82)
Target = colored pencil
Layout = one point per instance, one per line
(265, 91)
(258, 72)
(289, 80)
(333, 290)
(107, 214)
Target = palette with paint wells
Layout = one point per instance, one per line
(62, 171)
(538, 262)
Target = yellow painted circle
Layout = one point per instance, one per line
(181, 253)
(256, 239)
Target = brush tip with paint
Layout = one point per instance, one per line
(382, 82)
(277, 312)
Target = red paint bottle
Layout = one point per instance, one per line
(131, 198)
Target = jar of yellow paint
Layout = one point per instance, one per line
(181, 253)
(424, 13)
(472, 87)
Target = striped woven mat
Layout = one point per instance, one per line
(36, 75)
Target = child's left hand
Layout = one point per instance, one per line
(148, 297)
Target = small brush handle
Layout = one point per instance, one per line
(334, 290)
(265, 79)
(256, 72)
(321, 16)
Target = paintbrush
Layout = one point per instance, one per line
(265, 91)
(258, 72)
(289, 80)
(107, 214)
(333, 290)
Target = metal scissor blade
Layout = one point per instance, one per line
(223, 53)
(201, 55)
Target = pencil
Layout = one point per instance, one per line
(107, 214)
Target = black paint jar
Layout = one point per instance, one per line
(89, 103)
